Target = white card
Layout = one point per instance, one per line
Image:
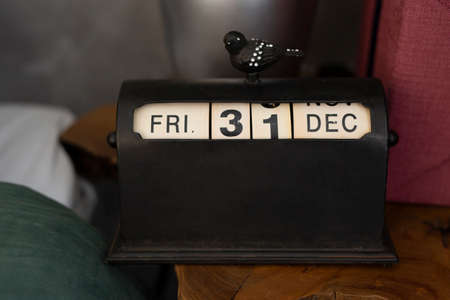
(271, 123)
(172, 121)
(230, 121)
(330, 120)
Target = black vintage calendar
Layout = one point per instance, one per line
(224, 171)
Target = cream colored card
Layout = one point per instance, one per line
(330, 121)
(271, 123)
(172, 121)
(230, 121)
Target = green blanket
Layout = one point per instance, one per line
(47, 252)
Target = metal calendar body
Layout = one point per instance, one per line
(249, 200)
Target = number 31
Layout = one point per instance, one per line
(237, 126)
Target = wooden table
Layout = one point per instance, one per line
(420, 235)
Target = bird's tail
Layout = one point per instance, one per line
(293, 52)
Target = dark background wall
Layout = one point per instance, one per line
(76, 53)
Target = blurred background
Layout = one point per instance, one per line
(75, 54)
(60, 59)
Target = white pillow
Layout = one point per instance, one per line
(30, 152)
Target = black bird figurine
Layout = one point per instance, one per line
(254, 55)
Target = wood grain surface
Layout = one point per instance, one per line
(419, 233)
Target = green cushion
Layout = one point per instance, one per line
(47, 252)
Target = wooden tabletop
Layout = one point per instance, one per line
(420, 235)
(85, 141)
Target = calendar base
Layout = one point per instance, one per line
(124, 252)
